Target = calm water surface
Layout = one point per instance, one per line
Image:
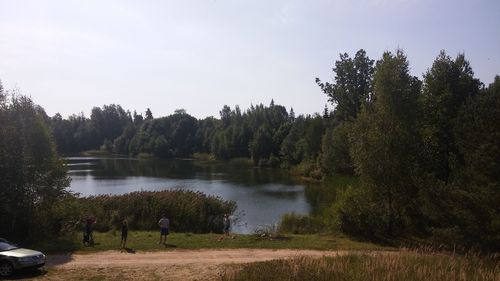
(262, 195)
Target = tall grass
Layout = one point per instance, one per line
(188, 211)
(396, 266)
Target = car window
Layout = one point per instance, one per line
(6, 247)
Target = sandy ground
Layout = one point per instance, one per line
(171, 265)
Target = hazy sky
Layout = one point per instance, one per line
(199, 55)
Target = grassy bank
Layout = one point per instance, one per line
(403, 266)
(148, 241)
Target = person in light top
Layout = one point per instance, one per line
(227, 224)
(226, 220)
(163, 223)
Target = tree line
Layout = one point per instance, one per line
(269, 135)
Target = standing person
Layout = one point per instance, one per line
(123, 243)
(227, 224)
(88, 237)
(163, 223)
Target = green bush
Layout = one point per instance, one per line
(355, 213)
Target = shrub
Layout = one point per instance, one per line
(355, 213)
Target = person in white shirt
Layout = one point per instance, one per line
(163, 223)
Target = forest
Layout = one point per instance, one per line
(426, 150)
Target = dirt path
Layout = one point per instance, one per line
(179, 257)
(171, 265)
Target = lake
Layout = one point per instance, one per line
(262, 195)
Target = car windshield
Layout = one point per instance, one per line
(6, 246)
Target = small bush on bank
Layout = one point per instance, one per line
(355, 214)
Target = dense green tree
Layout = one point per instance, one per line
(313, 134)
(293, 148)
(464, 209)
(205, 133)
(121, 144)
(149, 114)
(351, 90)
(352, 86)
(262, 144)
(447, 86)
(171, 136)
(183, 134)
(109, 122)
(384, 142)
(32, 176)
(326, 113)
(335, 157)
(225, 116)
(84, 134)
(138, 119)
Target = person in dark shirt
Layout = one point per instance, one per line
(88, 236)
(124, 234)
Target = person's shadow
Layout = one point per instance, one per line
(129, 250)
(170, 245)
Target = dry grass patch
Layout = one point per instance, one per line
(374, 266)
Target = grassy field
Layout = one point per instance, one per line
(148, 241)
(404, 266)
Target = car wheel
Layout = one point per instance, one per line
(6, 269)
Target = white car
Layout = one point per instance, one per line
(14, 258)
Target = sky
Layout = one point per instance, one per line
(70, 56)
